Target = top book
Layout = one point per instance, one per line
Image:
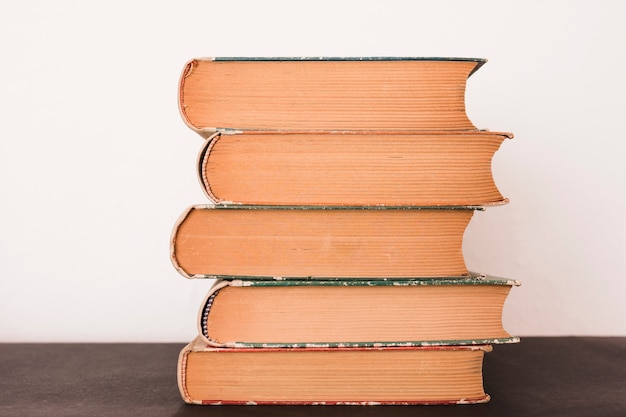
(328, 94)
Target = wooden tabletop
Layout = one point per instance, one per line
(546, 376)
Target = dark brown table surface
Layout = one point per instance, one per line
(541, 376)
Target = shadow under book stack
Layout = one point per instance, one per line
(340, 192)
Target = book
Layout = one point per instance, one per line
(355, 313)
(318, 376)
(213, 241)
(376, 93)
(351, 168)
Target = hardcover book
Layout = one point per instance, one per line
(401, 375)
(355, 313)
(376, 93)
(351, 168)
(212, 241)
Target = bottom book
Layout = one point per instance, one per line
(327, 376)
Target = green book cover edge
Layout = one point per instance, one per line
(479, 61)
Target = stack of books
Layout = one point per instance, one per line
(339, 191)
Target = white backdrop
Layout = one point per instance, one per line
(96, 164)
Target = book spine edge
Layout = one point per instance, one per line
(201, 163)
(173, 236)
(205, 309)
(205, 132)
(181, 371)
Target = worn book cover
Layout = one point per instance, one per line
(329, 376)
(351, 168)
(325, 93)
(210, 241)
(355, 312)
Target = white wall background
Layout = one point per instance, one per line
(96, 164)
